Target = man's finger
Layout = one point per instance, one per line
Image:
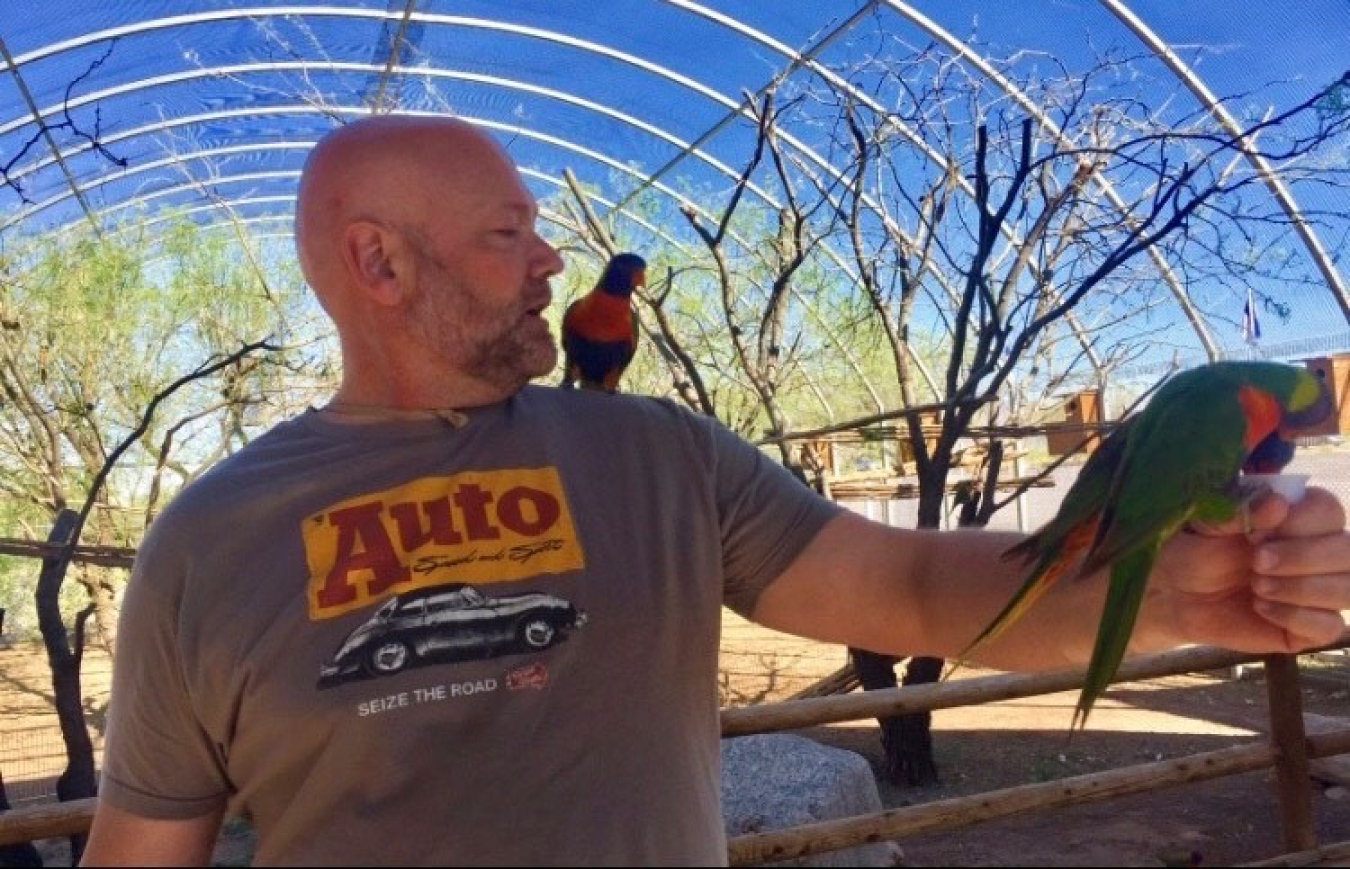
(1304, 627)
(1329, 591)
(1294, 556)
(1318, 513)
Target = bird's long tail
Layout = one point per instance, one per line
(1124, 596)
(1048, 570)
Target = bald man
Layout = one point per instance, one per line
(454, 618)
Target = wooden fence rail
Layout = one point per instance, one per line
(103, 556)
(51, 821)
(794, 714)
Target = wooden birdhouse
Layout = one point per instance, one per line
(931, 422)
(1334, 371)
(1081, 410)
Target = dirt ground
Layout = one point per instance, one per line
(1223, 822)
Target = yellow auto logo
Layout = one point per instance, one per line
(481, 527)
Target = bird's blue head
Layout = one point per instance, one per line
(624, 273)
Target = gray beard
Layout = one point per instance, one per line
(504, 360)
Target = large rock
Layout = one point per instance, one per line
(772, 781)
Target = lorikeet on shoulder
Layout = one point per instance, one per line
(599, 330)
(1177, 460)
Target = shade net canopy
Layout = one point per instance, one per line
(118, 111)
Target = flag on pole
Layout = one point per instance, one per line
(1251, 326)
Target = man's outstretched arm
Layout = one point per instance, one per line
(901, 591)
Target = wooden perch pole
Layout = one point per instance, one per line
(1293, 777)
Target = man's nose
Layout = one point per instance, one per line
(547, 261)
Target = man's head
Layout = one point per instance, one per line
(417, 235)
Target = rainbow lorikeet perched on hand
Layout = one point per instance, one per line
(1175, 461)
(600, 329)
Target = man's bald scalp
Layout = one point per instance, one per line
(373, 169)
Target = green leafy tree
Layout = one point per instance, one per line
(127, 368)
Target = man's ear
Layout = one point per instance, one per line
(374, 256)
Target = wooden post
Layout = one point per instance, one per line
(1292, 774)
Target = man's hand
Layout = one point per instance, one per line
(1278, 585)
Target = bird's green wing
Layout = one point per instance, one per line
(1186, 448)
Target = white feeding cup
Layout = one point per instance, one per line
(1290, 487)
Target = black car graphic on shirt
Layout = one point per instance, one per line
(450, 622)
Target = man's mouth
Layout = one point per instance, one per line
(535, 314)
(542, 298)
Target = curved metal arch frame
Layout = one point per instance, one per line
(521, 30)
(348, 110)
(241, 14)
(1196, 84)
(513, 129)
(302, 108)
(146, 167)
(193, 185)
(959, 48)
(962, 50)
(306, 108)
(306, 144)
(427, 18)
(218, 206)
(796, 58)
(418, 71)
(590, 105)
(531, 32)
(538, 33)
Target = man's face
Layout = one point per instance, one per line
(482, 286)
(495, 334)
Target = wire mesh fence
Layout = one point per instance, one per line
(32, 751)
(32, 760)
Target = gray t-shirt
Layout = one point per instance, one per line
(406, 643)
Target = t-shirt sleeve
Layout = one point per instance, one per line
(767, 518)
(158, 761)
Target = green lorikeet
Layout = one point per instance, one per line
(1175, 461)
(599, 330)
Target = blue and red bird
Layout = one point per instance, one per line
(599, 330)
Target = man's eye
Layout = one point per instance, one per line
(509, 232)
